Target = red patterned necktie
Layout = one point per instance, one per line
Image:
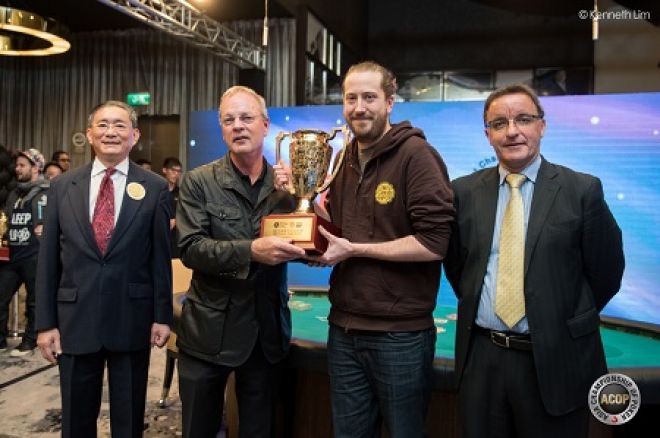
(103, 221)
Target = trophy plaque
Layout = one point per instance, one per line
(4, 250)
(309, 157)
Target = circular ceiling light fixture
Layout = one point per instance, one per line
(24, 33)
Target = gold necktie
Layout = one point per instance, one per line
(509, 295)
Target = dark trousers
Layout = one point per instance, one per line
(81, 382)
(202, 392)
(499, 397)
(12, 275)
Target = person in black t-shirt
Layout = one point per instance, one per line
(25, 209)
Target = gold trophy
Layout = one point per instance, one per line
(4, 250)
(309, 155)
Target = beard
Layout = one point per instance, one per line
(23, 177)
(368, 132)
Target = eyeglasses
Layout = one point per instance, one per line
(245, 119)
(521, 121)
(117, 126)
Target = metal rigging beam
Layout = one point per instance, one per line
(182, 20)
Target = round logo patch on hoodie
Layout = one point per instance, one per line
(385, 193)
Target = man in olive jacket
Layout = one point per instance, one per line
(235, 317)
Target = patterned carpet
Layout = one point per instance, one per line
(30, 399)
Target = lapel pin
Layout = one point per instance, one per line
(136, 191)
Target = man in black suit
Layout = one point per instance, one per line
(235, 317)
(104, 280)
(528, 345)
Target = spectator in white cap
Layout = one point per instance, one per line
(24, 210)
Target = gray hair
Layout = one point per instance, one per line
(243, 89)
(129, 109)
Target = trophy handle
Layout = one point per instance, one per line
(334, 132)
(335, 170)
(278, 142)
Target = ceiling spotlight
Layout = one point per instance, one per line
(24, 33)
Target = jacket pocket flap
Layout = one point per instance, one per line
(140, 290)
(201, 327)
(222, 211)
(583, 323)
(67, 295)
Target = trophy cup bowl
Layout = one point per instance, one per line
(309, 157)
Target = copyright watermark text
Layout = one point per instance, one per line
(623, 14)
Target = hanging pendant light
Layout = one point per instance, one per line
(594, 22)
(24, 33)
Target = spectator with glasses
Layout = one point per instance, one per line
(535, 255)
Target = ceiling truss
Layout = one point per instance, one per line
(182, 20)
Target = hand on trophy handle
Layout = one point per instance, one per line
(273, 250)
(339, 249)
(283, 177)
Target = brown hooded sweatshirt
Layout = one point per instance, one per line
(403, 191)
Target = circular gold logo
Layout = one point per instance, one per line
(385, 193)
(136, 191)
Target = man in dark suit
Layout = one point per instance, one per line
(104, 280)
(528, 345)
(235, 317)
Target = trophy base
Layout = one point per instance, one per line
(302, 228)
(4, 253)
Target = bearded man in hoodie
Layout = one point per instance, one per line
(393, 202)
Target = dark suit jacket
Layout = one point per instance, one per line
(573, 266)
(232, 301)
(106, 300)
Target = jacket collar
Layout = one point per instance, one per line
(79, 199)
(227, 178)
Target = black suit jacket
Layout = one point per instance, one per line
(573, 266)
(106, 300)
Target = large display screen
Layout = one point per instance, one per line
(614, 137)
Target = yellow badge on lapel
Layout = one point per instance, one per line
(136, 191)
(385, 193)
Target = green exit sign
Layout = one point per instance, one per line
(138, 99)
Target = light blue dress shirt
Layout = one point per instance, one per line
(486, 316)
